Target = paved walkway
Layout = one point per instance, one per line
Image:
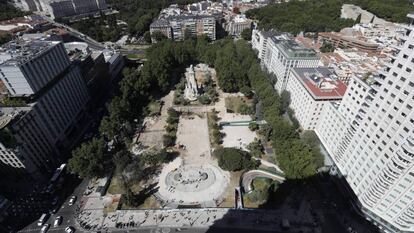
(194, 218)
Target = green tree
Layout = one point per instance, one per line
(253, 126)
(327, 48)
(90, 159)
(256, 148)
(4, 38)
(246, 34)
(231, 159)
(298, 16)
(296, 159)
(158, 36)
(147, 37)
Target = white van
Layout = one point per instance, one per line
(42, 219)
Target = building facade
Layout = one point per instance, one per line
(282, 54)
(63, 8)
(310, 89)
(177, 27)
(374, 134)
(28, 67)
(237, 24)
(33, 134)
(340, 40)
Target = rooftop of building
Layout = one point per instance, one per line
(190, 16)
(23, 49)
(77, 50)
(351, 37)
(9, 114)
(321, 83)
(293, 50)
(269, 33)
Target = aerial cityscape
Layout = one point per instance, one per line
(207, 116)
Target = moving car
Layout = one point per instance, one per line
(58, 221)
(69, 229)
(42, 219)
(45, 228)
(72, 200)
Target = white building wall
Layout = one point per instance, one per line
(14, 80)
(279, 64)
(377, 158)
(307, 109)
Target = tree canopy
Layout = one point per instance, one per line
(298, 16)
(90, 159)
(232, 159)
(391, 10)
(8, 11)
(139, 14)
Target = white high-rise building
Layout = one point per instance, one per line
(310, 89)
(279, 53)
(370, 137)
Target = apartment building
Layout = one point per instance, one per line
(178, 26)
(282, 54)
(33, 133)
(310, 89)
(259, 41)
(63, 8)
(370, 138)
(236, 24)
(342, 40)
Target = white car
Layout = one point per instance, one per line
(69, 230)
(72, 200)
(45, 228)
(58, 221)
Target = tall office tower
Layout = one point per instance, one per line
(280, 53)
(27, 69)
(370, 137)
(34, 132)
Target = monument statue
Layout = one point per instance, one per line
(191, 91)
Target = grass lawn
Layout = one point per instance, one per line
(228, 201)
(150, 203)
(210, 122)
(154, 108)
(234, 104)
(136, 56)
(116, 187)
(254, 199)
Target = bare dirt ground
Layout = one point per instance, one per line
(154, 128)
(193, 135)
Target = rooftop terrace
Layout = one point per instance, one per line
(292, 49)
(21, 50)
(321, 83)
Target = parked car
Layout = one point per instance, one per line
(72, 200)
(45, 228)
(58, 221)
(42, 219)
(69, 229)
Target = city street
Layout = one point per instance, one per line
(67, 212)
